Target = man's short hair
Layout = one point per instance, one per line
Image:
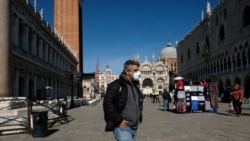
(127, 65)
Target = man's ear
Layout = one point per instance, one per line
(127, 72)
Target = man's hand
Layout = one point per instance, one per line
(123, 124)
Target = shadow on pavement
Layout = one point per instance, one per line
(52, 131)
(224, 114)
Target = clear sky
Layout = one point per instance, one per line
(116, 30)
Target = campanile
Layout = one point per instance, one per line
(68, 24)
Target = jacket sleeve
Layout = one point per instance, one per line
(110, 106)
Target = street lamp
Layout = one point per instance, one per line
(72, 91)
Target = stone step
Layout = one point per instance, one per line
(15, 129)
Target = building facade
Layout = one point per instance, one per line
(35, 61)
(88, 84)
(218, 47)
(105, 78)
(158, 74)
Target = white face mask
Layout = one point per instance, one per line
(137, 75)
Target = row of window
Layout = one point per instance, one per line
(36, 46)
(205, 46)
(236, 62)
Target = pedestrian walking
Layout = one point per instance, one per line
(123, 103)
(166, 99)
(237, 96)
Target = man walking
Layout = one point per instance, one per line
(166, 99)
(123, 103)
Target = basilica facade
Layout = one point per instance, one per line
(218, 47)
(158, 74)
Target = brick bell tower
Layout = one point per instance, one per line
(68, 24)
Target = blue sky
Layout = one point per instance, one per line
(115, 30)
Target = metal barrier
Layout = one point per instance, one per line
(11, 120)
(57, 106)
(16, 112)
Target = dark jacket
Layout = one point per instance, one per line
(166, 95)
(115, 101)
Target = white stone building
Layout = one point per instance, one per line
(156, 74)
(105, 78)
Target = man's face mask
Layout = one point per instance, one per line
(137, 75)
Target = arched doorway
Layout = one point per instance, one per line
(147, 86)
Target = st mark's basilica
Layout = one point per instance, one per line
(157, 74)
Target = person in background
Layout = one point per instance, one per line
(166, 99)
(237, 96)
(157, 96)
(123, 103)
(153, 96)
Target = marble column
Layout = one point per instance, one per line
(5, 46)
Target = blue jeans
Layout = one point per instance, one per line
(165, 104)
(125, 134)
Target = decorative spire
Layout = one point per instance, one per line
(202, 15)
(168, 37)
(35, 5)
(41, 14)
(209, 12)
(136, 57)
(153, 58)
(169, 44)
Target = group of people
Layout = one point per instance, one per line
(155, 96)
(123, 103)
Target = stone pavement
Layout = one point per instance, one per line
(87, 124)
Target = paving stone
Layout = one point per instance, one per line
(87, 124)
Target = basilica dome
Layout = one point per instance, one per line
(168, 52)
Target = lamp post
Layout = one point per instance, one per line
(72, 91)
